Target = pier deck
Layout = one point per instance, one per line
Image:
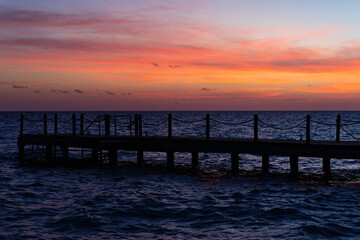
(234, 146)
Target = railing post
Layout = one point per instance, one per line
(170, 125)
(22, 123)
(82, 124)
(207, 126)
(55, 123)
(73, 124)
(307, 129)
(115, 130)
(45, 124)
(256, 128)
(338, 124)
(136, 125)
(140, 125)
(107, 125)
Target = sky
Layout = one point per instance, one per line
(123, 55)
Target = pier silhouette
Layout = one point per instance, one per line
(104, 145)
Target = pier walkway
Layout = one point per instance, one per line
(57, 146)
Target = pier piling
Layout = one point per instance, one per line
(326, 165)
(294, 165)
(113, 157)
(140, 158)
(265, 163)
(195, 160)
(234, 163)
(170, 159)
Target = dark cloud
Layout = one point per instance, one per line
(109, 93)
(155, 64)
(78, 91)
(175, 66)
(36, 91)
(60, 91)
(126, 94)
(9, 16)
(19, 86)
(205, 89)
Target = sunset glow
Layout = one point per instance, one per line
(179, 55)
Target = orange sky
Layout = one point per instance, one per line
(167, 57)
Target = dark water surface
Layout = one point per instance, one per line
(128, 202)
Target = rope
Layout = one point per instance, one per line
(65, 121)
(323, 123)
(353, 121)
(232, 124)
(32, 120)
(282, 129)
(349, 133)
(184, 121)
(155, 125)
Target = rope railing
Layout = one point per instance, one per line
(324, 123)
(348, 133)
(186, 121)
(156, 124)
(108, 123)
(34, 120)
(280, 128)
(231, 123)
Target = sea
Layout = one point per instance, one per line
(151, 202)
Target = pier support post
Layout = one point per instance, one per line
(234, 163)
(94, 155)
(140, 158)
(294, 165)
(256, 128)
(170, 125)
(113, 157)
(65, 152)
(326, 165)
(49, 152)
(107, 125)
(170, 160)
(338, 125)
(21, 150)
(265, 163)
(195, 160)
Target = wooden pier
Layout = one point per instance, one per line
(110, 143)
